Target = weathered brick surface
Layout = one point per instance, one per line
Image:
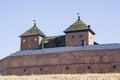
(74, 39)
(30, 42)
(93, 61)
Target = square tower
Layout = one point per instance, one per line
(32, 38)
(79, 34)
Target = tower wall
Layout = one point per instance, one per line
(76, 38)
(90, 38)
(30, 42)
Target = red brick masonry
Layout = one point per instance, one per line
(87, 61)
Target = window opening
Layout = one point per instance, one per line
(67, 67)
(24, 40)
(41, 69)
(24, 70)
(88, 67)
(83, 42)
(72, 36)
(114, 66)
(81, 35)
(35, 39)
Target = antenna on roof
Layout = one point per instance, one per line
(78, 16)
(34, 22)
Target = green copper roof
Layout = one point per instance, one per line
(34, 31)
(78, 26)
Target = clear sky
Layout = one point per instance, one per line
(54, 16)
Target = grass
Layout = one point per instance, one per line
(111, 76)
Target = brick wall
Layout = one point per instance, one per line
(93, 61)
(74, 39)
(30, 42)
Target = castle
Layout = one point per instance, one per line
(73, 53)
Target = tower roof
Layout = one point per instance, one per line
(34, 31)
(79, 25)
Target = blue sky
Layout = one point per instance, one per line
(54, 16)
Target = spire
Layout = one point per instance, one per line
(78, 16)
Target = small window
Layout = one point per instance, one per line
(72, 36)
(41, 69)
(24, 70)
(88, 67)
(114, 66)
(81, 35)
(83, 42)
(24, 40)
(35, 39)
(67, 68)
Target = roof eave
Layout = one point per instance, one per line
(80, 31)
(31, 35)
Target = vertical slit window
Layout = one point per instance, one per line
(41, 69)
(24, 70)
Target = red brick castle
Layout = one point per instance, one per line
(73, 53)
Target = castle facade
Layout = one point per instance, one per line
(73, 53)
